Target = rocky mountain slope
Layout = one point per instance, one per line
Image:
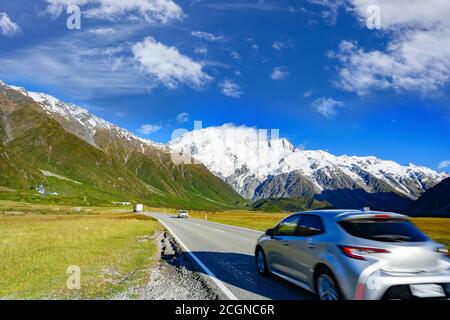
(42, 138)
(259, 167)
(434, 202)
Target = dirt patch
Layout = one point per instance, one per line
(173, 277)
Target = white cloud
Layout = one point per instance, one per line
(309, 93)
(183, 117)
(327, 106)
(257, 5)
(101, 32)
(81, 65)
(162, 11)
(444, 164)
(7, 27)
(405, 13)
(235, 55)
(329, 11)
(168, 65)
(416, 57)
(206, 36)
(201, 50)
(279, 73)
(148, 128)
(282, 44)
(419, 61)
(231, 89)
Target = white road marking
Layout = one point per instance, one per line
(219, 283)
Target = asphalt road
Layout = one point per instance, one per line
(227, 254)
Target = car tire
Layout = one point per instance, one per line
(327, 287)
(261, 262)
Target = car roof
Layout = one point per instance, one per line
(342, 214)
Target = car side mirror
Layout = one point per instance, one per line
(270, 232)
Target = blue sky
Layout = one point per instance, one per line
(313, 69)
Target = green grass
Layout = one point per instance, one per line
(21, 208)
(37, 249)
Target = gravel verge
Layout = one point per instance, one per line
(174, 277)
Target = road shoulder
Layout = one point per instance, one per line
(173, 277)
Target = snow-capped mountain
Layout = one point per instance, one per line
(260, 167)
(82, 122)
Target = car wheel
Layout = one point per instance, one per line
(327, 286)
(261, 263)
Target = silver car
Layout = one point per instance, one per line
(355, 254)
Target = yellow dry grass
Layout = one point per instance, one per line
(36, 250)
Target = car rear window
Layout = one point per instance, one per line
(392, 230)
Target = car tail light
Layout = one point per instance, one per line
(382, 216)
(360, 252)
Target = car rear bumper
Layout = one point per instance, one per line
(388, 285)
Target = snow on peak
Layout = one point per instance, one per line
(20, 89)
(228, 148)
(230, 151)
(70, 111)
(80, 116)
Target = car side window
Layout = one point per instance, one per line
(287, 227)
(310, 225)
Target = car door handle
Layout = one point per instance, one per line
(311, 245)
(285, 243)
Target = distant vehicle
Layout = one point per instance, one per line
(138, 208)
(355, 254)
(183, 214)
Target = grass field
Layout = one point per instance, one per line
(8, 207)
(437, 228)
(112, 250)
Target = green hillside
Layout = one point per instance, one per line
(290, 204)
(34, 143)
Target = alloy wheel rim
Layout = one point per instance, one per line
(260, 262)
(327, 288)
